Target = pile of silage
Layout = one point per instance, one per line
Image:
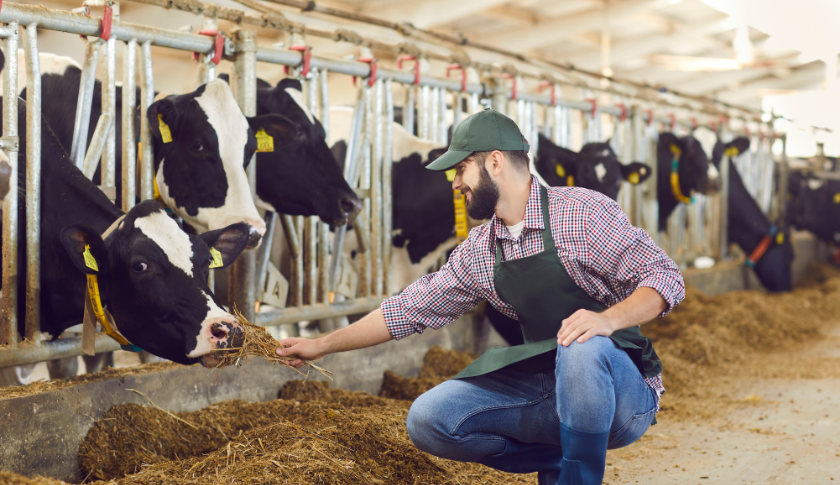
(438, 366)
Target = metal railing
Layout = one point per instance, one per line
(316, 256)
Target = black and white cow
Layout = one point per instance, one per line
(747, 224)
(203, 144)
(152, 275)
(595, 167)
(696, 173)
(814, 205)
(312, 183)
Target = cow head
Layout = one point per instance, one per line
(153, 279)
(203, 144)
(301, 177)
(595, 167)
(815, 205)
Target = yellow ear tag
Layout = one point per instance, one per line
(633, 178)
(676, 150)
(90, 261)
(450, 175)
(561, 172)
(780, 238)
(265, 143)
(732, 152)
(165, 134)
(570, 181)
(837, 198)
(217, 258)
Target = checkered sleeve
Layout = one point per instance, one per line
(627, 256)
(435, 299)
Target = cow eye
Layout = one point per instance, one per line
(197, 146)
(139, 267)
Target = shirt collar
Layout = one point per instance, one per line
(533, 213)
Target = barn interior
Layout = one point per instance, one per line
(750, 356)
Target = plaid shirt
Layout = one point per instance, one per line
(602, 252)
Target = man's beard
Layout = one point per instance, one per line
(482, 204)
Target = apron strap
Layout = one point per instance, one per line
(548, 239)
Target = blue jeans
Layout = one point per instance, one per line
(510, 420)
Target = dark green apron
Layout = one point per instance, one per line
(543, 294)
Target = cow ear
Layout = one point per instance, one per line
(229, 241)
(86, 249)
(737, 146)
(280, 129)
(224, 77)
(289, 83)
(669, 138)
(162, 126)
(435, 154)
(636, 172)
(565, 158)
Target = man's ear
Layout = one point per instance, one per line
(282, 131)
(162, 128)
(229, 241)
(737, 146)
(86, 249)
(636, 172)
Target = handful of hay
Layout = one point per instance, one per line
(259, 343)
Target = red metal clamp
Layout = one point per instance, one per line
(649, 112)
(552, 86)
(594, 103)
(623, 109)
(218, 48)
(747, 131)
(673, 121)
(513, 94)
(306, 52)
(416, 66)
(372, 77)
(107, 17)
(455, 67)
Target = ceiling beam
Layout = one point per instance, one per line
(748, 92)
(551, 31)
(429, 13)
(519, 16)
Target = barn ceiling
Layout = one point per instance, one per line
(644, 37)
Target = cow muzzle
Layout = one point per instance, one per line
(225, 335)
(256, 231)
(712, 186)
(349, 207)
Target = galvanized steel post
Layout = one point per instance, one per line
(147, 97)
(376, 188)
(109, 109)
(33, 184)
(9, 295)
(129, 148)
(244, 83)
(81, 125)
(387, 200)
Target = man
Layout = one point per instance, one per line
(566, 263)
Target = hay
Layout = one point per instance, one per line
(314, 434)
(9, 478)
(259, 343)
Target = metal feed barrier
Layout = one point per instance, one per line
(320, 286)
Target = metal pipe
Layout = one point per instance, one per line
(33, 184)
(408, 108)
(109, 108)
(325, 101)
(323, 265)
(129, 148)
(56, 349)
(291, 235)
(376, 188)
(443, 133)
(264, 253)
(147, 97)
(423, 113)
(97, 144)
(9, 295)
(387, 200)
(724, 208)
(241, 292)
(317, 312)
(457, 112)
(311, 233)
(81, 126)
(299, 275)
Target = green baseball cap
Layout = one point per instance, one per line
(485, 131)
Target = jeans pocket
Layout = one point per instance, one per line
(632, 430)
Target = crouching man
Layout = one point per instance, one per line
(580, 279)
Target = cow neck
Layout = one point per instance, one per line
(675, 176)
(459, 205)
(764, 245)
(94, 298)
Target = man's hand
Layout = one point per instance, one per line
(583, 325)
(303, 348)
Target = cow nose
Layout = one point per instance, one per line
(256, 231)
(350, 206)
(712, 186)
(226, 335)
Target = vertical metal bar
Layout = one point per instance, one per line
(408, 108)
(457, 112)
(724, 207)
(264, 252)
(387, 200)
(129, 148)
(311, 225)
(147, 97)
(423, 114)
(557, 130)
(364, 183)
(33, 184)
(109, 108)
(325, 101)
(9, 295)
(443, 133)
(81, 125)
(323, 264)
(244, 84)
(784, 175)
(376, 189)
(300, 261)
(433, 132)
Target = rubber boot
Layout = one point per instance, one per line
(548, 477)
(584, 456)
